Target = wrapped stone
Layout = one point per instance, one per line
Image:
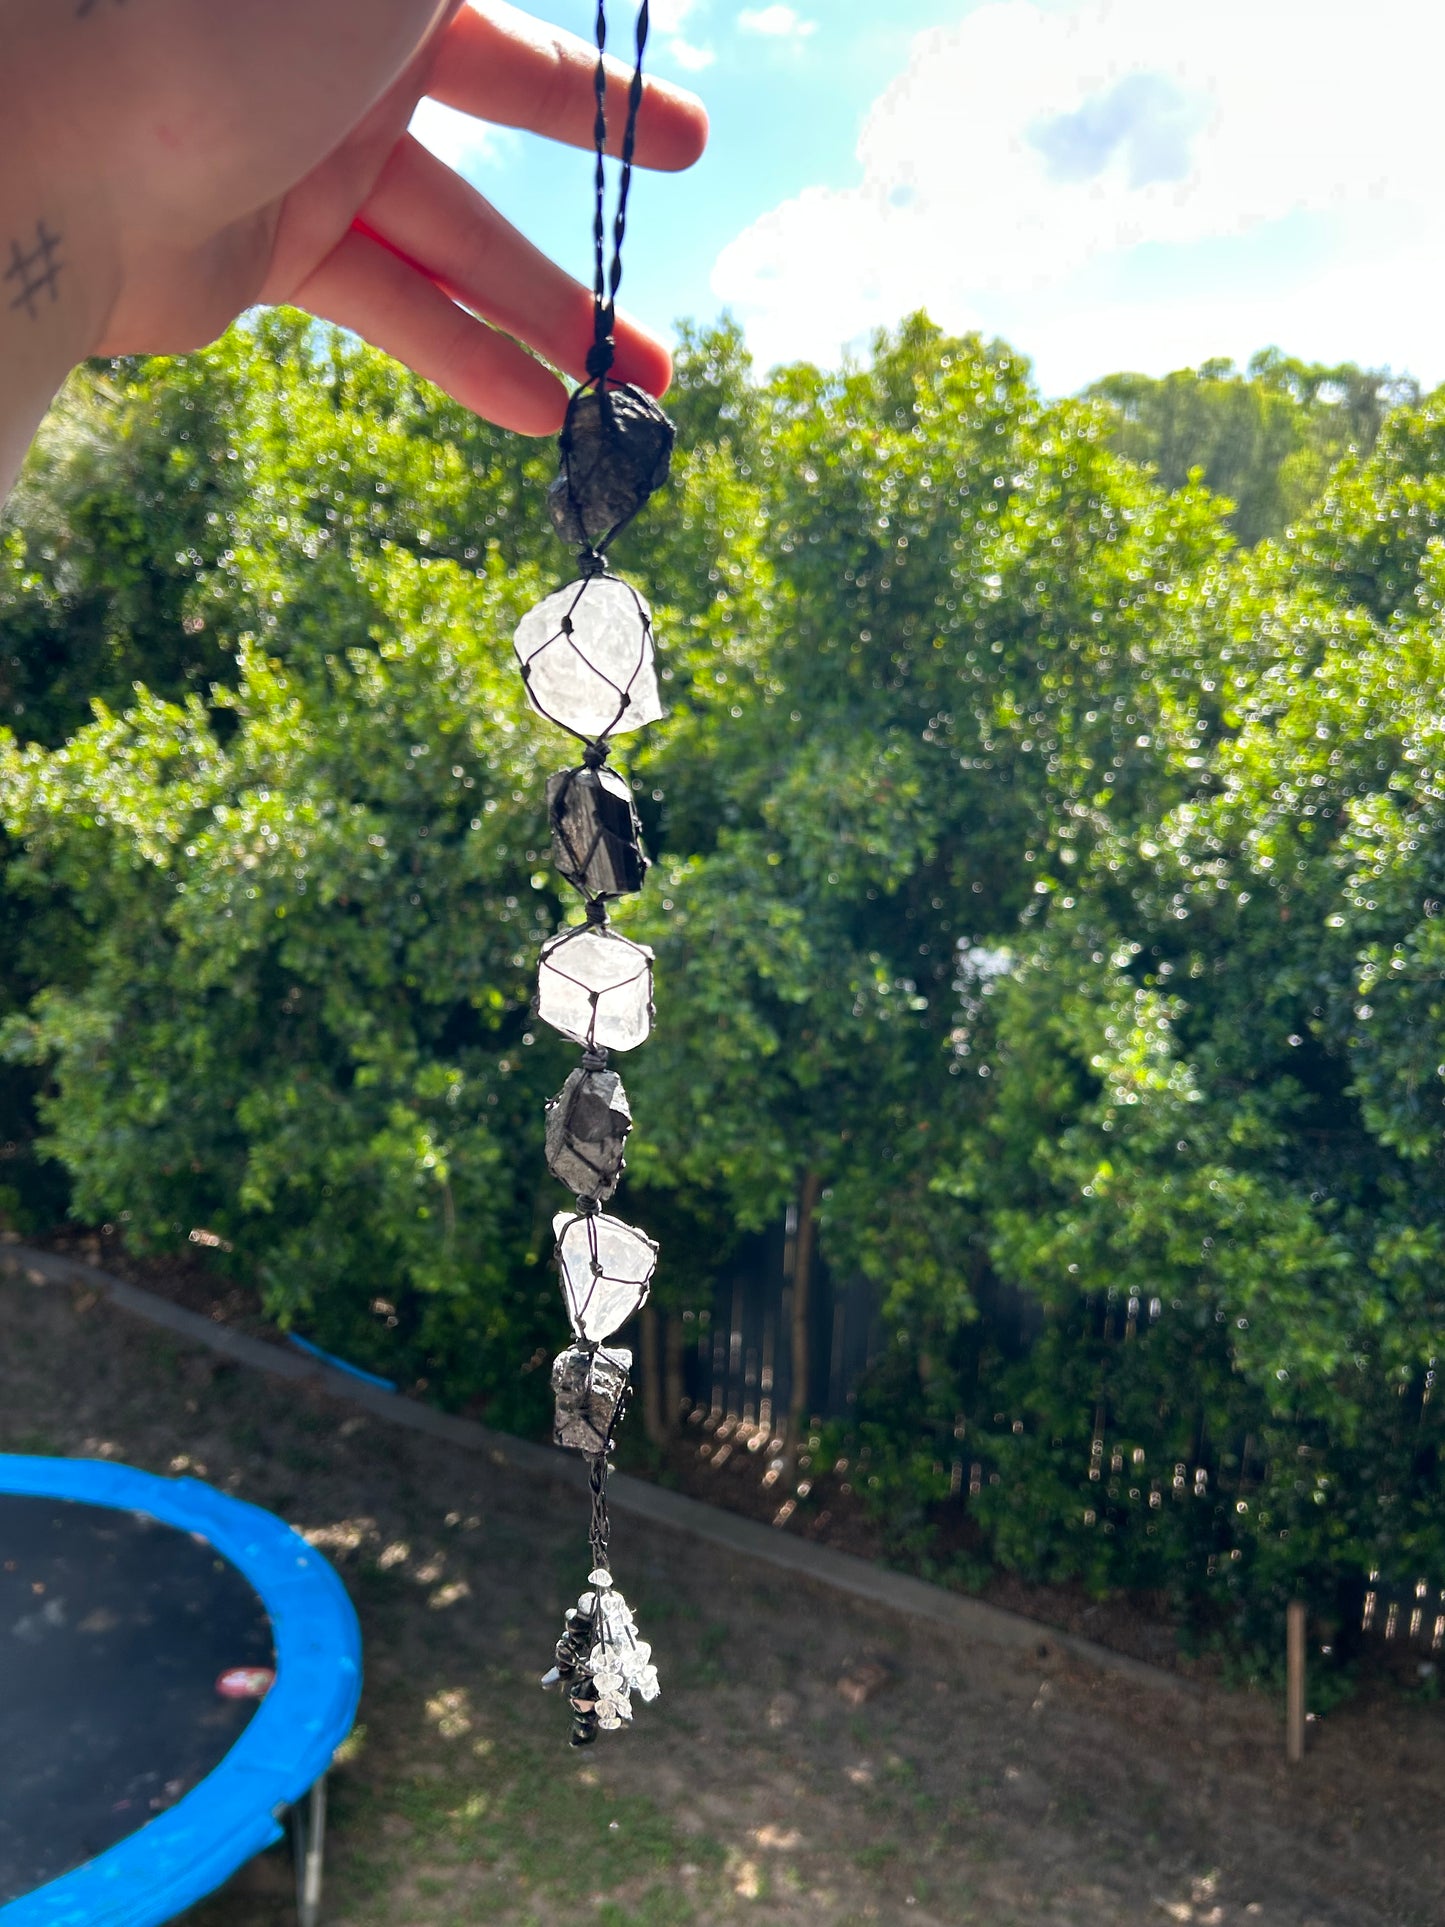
(583, 1699)
(596, 988)
(606, 1269)
(587, 1125)
(596, 837)
(616, 447)
(589, 1387)
(572, 1648)
(587, 658)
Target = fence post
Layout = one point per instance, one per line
(672, 1372)
(800, 1404)
(652, 1417)
(1295, 1681)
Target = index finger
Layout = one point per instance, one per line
(505, 66)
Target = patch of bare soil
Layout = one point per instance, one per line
(722, 1462)
(813, 1760)
(725, 1462)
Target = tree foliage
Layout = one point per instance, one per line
(1048, 872)
(1266, 438)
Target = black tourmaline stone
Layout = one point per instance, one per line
(589, 1387)
(596, 837)
(587, 1125)
(616, 446)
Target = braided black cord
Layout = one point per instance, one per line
(599, 219)
(598, 1532)
(629, 142)
(605, 282)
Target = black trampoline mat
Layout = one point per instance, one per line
(114, 1630)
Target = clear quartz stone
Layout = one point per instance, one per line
(608, 1719)
(596, 988)
(647, 1687)
(606, 1268)
(617, 1618)
(587, 658)
(599, 1576)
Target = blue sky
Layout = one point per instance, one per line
(1107, 183)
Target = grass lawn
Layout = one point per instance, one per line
(977, 1786)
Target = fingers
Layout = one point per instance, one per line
(443, 226)
(502, 65)
(364, 286)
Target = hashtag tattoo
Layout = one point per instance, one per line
(34, 272)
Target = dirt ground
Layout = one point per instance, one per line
(973, 1787)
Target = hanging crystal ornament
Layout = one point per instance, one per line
(588, 661)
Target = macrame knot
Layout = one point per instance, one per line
(600, 357)
(594, 755)
(596, 910)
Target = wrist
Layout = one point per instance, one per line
(54, 294)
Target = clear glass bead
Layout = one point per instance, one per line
(587, 658)
(596, 988)
(606, 1268)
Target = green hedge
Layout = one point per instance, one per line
(1057, 881)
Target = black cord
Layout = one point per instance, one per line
(605, 281)
(598, 1531)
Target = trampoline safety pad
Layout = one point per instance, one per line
(140, 1618)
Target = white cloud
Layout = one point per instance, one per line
(470, 146)
(1130, 183)
(691, 59)
(776, 23)
(670, 17)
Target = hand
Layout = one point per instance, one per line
(257, 151)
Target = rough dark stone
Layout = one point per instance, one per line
(596, 837)
(616, 447)
(587, 1125)
(590, 1388)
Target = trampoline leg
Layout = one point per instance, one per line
(308, 1846)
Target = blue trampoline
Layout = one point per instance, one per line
(140, 1617)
